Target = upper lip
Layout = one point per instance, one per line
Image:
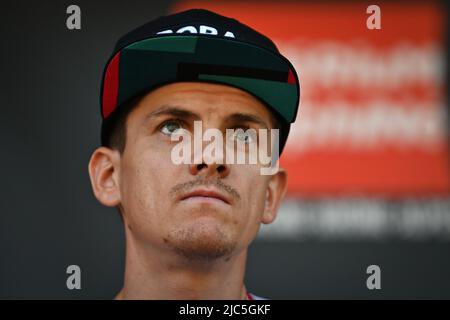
(202, 192)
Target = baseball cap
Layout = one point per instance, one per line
(199, 45)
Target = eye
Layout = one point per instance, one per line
(245, 135)
(170, 127)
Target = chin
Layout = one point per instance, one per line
(202, 240)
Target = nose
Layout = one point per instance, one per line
(204, 162)
(219, 169)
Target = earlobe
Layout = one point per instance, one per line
(104, 174)
(274, 195)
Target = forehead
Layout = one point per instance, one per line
(203, 98)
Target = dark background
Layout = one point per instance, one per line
(49, 86)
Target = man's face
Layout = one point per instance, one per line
(168, 205)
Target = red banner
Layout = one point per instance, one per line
(372, 118)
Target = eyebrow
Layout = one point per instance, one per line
(180, 112)
(171, 111)
(246, 117)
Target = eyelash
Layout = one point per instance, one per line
(183, 124)
(179, 121)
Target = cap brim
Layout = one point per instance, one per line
(153, 62)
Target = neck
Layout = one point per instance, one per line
(155, 274)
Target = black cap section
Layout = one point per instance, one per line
(197, 18)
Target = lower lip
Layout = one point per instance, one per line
(205, 200)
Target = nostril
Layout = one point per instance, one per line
(200, 166)
(221, 169)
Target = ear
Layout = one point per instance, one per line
(105, 176)
(275, 192)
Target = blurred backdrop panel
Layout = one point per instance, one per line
(368, 158)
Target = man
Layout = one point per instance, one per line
(188, 226)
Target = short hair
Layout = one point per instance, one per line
(113, 132)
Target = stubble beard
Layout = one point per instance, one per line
(200, 243)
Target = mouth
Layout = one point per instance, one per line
(206, 195)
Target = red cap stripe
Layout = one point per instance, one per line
(291, 78)
(111, 86)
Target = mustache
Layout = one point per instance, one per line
(186, 186)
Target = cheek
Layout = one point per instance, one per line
(145, 180)
(253, 193)
(253, 203)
